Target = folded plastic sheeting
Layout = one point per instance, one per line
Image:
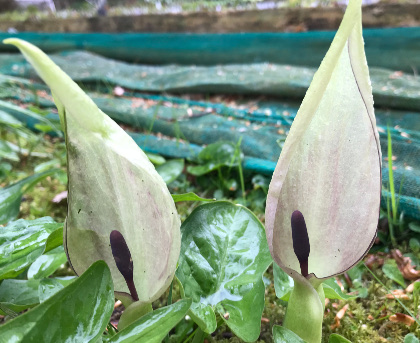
(391, 89)
(261, 128)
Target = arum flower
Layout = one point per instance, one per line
(119, 208)
(324, 197)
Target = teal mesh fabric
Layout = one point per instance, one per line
(392, 89)
(262, 129)
(393, 48)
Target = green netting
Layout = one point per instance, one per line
(262, 129)
(392, 89)
(393, 48)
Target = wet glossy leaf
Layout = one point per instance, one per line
(22, 242)
(188, 197)
(11, 196)
(214, 156)
(283, 283)
(78, 313)
(171, 170)
(336, 338)
(112, 186)
(333, 291)
(283, 335)
(154, 326)
(54, 240)
(243, 317)
(391, 271)
(47, 264)
(19, 295)
(223, 256)
(48, 287)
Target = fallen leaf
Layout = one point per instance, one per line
(398, 294)
(410, 287)
(404, 265)
(373, 260)
(402, 318)
(340, 314)
(117, 303)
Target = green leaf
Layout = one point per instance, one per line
(414, 244)
(7, 153)
(154, 326)
(22, 242)
(391, 270)
(8, 120)
(336, 338)
(283, 335)
(214, 156)
(19, 295)
(54, 240)
(188, 197)
(11, 196)
(414, 226)
(27, 116)
(171, 170)
(78, 313)
(47, 264)
(54, 163)
(243, 317)
(156, 159)
(411, 338)
(283, 283)
(112, 186)
(223, 256)
(333, 291)
(48, 287)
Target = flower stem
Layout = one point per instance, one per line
(305, 311)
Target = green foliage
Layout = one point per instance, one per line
(283, 335)
(46, 264)
(154, 326)
(188, 197)
(171, 170)
(79, 312)
(283, 285)
(19, 295)
(11, 196)
(334, 338)
(391, 270)
(223, 256)
(22, 242)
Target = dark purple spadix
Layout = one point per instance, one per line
(122, 257)
(300, 238)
